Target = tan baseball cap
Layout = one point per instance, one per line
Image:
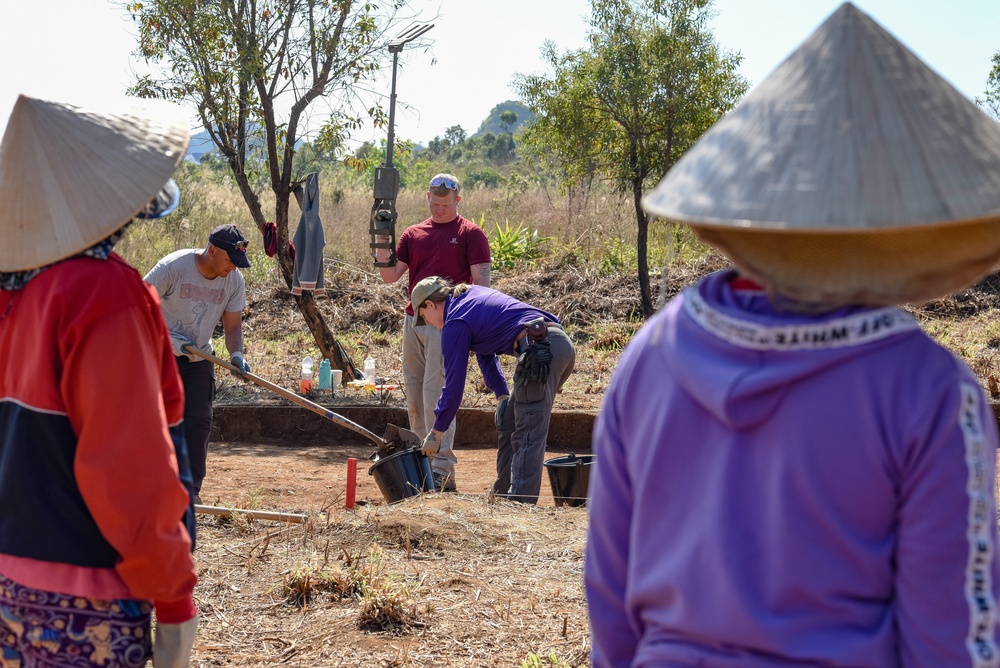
(422, 291)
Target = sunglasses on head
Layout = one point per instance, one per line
(443, 182)
(240, 246)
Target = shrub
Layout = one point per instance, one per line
(511, 246)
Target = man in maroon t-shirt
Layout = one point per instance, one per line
(447, 245)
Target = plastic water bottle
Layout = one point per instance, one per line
(370, 374)
(324, 374)
(305, 384)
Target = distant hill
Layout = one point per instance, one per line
(493, 123)
(201, 144)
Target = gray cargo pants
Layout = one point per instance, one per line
(525, 425)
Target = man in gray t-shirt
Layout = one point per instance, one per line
(198, 287)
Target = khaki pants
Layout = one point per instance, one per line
(423, 378)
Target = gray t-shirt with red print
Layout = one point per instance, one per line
(192, 304)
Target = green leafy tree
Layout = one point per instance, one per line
(455, 135)
(502, 148)
(507, 120)
(651, 82)
(253, 69)
(991, 101)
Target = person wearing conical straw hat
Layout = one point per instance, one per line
(97, 527)
(788, 471)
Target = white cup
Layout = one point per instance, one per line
(336, 378)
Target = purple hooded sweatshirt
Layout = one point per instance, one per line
(775, 489)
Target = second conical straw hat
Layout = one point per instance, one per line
(853, 173)
(71, 176)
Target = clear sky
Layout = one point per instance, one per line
(79, 50)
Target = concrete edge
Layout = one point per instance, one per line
(569, 430)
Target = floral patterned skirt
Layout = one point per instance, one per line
(41, 628)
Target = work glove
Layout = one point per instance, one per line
(173, 643)
(502, 401)
(431, 443)
(533, 364)
(237, 361)
(177, 342)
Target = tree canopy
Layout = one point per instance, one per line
(252, 69)
(626, 108)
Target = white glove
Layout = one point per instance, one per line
(172, 644)
(178, 342)
(431, 443)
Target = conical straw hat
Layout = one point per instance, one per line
(69, 176)
(852, 174)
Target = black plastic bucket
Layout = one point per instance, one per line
(402, 474)
(570, 478)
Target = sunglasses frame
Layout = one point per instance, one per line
(443, 182)
(240, 246)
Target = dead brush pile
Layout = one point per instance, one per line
(602, 313)
(436, 580)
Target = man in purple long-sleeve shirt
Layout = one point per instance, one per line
(489, 323)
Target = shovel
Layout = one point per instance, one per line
(395, 436)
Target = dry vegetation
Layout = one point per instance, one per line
(449, 580)
(441, 580)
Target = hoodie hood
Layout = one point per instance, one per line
(742, 355)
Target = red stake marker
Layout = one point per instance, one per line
(352, 480)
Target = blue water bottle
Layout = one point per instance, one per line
(324, 374)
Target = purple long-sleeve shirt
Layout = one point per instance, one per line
(785, 490)
(485, 322)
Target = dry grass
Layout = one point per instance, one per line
(437, 580)
(600, 308)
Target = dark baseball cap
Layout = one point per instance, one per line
(230, 239)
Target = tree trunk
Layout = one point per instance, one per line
(328, 344)
(324, 338)
(642, 250)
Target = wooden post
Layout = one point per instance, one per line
(252, 514)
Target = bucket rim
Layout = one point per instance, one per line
(415, 450)
(572, 459)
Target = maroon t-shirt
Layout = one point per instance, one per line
(442, 249)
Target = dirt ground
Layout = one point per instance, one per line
(435, 580)
(312, 478)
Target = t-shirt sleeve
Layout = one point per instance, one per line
(479, 246)
(238, 298)
(161, 278)
(403, 248)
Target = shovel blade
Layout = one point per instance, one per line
(398, 436)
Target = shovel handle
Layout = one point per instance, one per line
(291, 396)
